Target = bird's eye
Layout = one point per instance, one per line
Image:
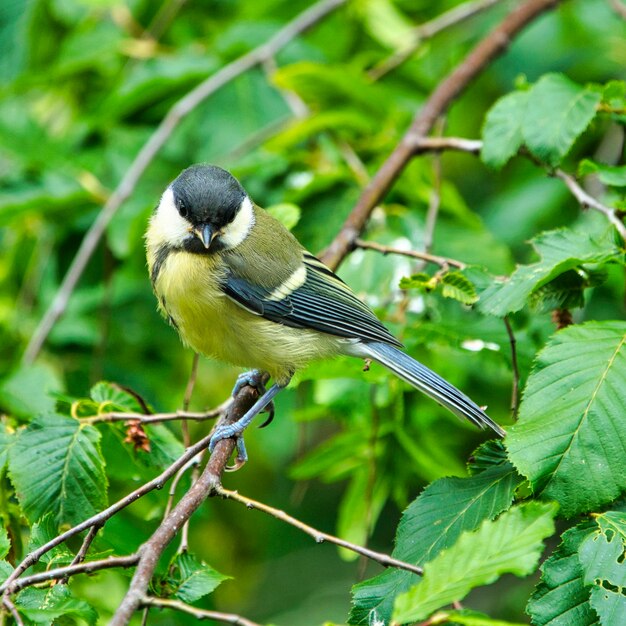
(182, 209)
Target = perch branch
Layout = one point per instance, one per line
(305, 20)
(494, 44)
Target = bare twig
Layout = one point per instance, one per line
(441, 261)
(100, 518)
(199, 614)
(439, 144)
(155, 418)
(486, 51)
(207, 483)
(86, 567)
(427, 30)
(589, 202)
(305, 20)
(514, 368)
(191, 383)
(13, 610)
(318, 535)
(84, 548)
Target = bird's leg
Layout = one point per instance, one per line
(257, 379)
(236, 429)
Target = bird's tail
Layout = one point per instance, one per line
(429, 383)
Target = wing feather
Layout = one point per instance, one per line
(323, 303)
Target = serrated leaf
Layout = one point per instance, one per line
(612, 175)
(490, 454)
(502, 130)
(286, 213)
(602, 553)
(458, 287)
(557, 112)
(560, 251)
(56, 466)
(569, 439)
(193, 579)
(112, 397)
(421, 281)
(41, 533)
(45, 606)
(561, 598)
(610, 605)
(431, 523)
(511, 544)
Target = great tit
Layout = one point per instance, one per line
(238, 286)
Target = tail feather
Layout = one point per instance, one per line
(433, 385)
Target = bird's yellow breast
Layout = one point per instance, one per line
(187, 286)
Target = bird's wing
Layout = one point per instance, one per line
(313, 297)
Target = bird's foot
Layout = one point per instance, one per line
(236, 429)
(256, 379)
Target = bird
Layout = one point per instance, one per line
(239, 287)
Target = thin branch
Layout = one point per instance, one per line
(441, 261)
(86, 567)
(100, 518)
(514, 368)
(207, 484)
(589, 202)
(493, 45)
(13, 610)
(305, 20)
(439, 144)
(199, 614)
(318, 535)
(84, 548)
(427, 30)
(191, 383)
(155, 418)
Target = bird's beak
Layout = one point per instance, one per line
(205, 233)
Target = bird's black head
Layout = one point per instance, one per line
(209, 198)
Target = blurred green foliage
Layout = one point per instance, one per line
(83, 84)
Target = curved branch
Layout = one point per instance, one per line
(305, 20)
(318, 535)
(206, 485)
(177, 605)
(457, 81)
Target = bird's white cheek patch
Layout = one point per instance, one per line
(294, 281)
(167, 222)
(235, 232)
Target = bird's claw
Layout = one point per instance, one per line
(224, 432)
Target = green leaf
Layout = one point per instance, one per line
(610, 605)
(502, 130)
(569, 440)
(612, 175)
(28, 391)
(7, 439)
(430, 524)
(5, 544)
(45, 606)
(56, 466)
(511, 544)
(561, 598)
(602, 553)
(286, 213)
(386, 24)
(457, 286)
(41, 533)
(558, 111)
(421, 281)
(192, 579)
(112, 397)
(560, 251)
